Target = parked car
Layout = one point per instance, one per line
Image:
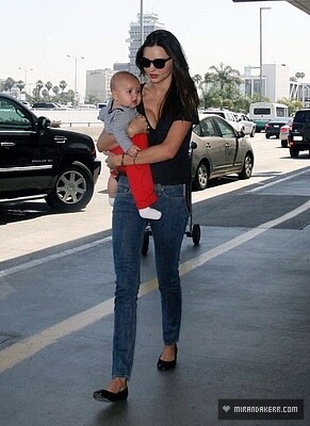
(272, 128)
(224, 113)
(219, 150)
(45, 105)
(284, 133)
(26, 103)
(38, 160)
(245, 124)
(299, 137)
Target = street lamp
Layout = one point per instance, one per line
(26, 76)
(261, 51)
(76, 58)
(141, 22)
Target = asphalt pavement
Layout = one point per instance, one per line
(245, 330)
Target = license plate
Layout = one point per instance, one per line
(298, 138)
(276, 126)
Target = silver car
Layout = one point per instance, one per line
(219, 150)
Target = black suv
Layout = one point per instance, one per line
(39, 160)
(299, 137)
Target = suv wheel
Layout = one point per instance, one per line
(247, 169)
(73, 189)
(201, 177)
(294, 152)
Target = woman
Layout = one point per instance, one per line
(168, 110)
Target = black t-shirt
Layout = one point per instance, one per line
(178, 169)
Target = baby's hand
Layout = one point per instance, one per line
(133, 151)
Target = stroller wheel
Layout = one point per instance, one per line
(196, 234)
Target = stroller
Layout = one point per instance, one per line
(192, 230)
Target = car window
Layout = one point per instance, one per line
(225, 128)
(302, 117)
(207, 127)
(262, 111)
(12, 117)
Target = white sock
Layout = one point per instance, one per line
(111, 201)
(149, 213)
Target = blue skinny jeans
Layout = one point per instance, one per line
(128, 232)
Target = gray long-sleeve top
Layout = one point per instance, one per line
(116, 121)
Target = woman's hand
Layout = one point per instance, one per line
(137, 125)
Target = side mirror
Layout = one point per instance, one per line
(240, 134)
(43, 124)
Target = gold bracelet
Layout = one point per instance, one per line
(134, 159)
(122, 160)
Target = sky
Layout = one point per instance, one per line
(37, 36)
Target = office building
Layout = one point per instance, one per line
(150, 23)
(98, 84)
(275, 81)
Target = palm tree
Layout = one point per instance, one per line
(48, 86)
(221, 86)
(56, 90)
(39, 86)
(20, 84)
(300, 75)
(224, 75)
(9, 84)
(197, 79)
(63, 84)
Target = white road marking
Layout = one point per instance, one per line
(20, 351)
(277, 181)
(32, 263)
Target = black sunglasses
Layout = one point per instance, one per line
(158, 63)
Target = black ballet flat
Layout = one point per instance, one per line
(168, 365)
(107, 396)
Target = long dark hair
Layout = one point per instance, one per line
(182, 97)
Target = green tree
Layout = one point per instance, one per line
(63, 84)
(8, 84)
(225, 76)
(92, 100)
(39, 87)
(56, 90)
(197, 79)
(20, 84)
(48, 86)
(44, 93)
(292, 104)
(221, 87)
(256, 98)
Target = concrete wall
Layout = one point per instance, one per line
(68, 116)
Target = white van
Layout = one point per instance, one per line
(262, 112)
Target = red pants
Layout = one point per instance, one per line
(139, 176)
